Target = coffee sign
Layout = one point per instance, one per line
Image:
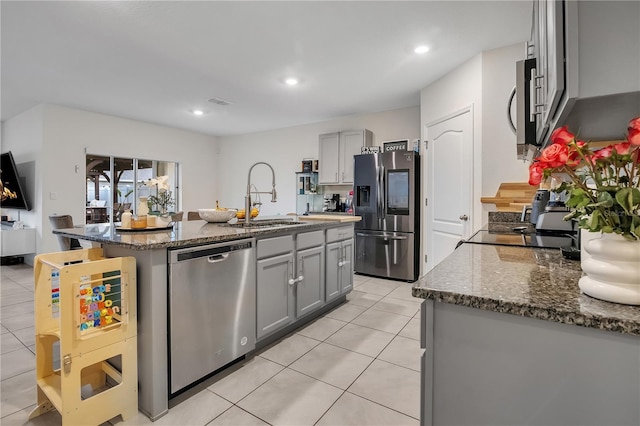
(369, 149)
(396, 145)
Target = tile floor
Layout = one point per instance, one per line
(356, 365)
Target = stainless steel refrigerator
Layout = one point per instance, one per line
(386, 196)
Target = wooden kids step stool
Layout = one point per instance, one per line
(87, 304)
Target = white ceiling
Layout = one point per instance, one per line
(156, 61)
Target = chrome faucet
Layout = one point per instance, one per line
(247, 198)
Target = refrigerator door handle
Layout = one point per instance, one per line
(389, 237)
(383, 192)
(380, 191)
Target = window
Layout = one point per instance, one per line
(114, 184)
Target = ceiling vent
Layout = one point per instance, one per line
(219, 101)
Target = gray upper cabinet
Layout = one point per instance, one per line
(586, 77)
(351, 143)
(336, 151)
(329, 150)
(548, 48)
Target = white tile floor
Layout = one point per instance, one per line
(356, 365)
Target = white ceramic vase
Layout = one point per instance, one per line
(612, 269)
(143, 208)
(163, 221)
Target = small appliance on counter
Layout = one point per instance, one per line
(332, 203)
(538, 204)
(552, 218)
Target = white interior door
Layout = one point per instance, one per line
(448, 183)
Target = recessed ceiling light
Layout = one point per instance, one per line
(421, 49)
(197, 112)
(291, 81)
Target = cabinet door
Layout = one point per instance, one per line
(346, 270)
(274, 293)
(549, 51)
(309, 289)
(328, 158)
(332, 281)
(554, 45)
(351, 143)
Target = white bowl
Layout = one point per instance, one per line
(217, 216)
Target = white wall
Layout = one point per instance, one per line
(67, 134)
(285, 148)
(455, 91)
(57, 139)
(485, 81)
(499, 157)
(22, 136)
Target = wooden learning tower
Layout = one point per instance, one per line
(87, 304)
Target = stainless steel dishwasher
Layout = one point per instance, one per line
(212, 308)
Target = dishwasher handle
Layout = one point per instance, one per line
(218, 258)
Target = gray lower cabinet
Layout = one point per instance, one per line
(290, 279)
(339, 268)
(334, 251)
(309, 288)
(487, 368)
(274, 294)
(346, 275)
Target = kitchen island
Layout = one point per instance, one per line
(509, 339)
(279, 252)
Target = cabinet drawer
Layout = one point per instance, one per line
(275, 246)
(310, 239)
(337, 234)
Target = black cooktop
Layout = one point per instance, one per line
(536, 239)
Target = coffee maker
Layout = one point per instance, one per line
(331, 203)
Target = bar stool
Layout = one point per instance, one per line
(193, 216)
(63, 222)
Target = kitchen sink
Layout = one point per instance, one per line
(266, 224)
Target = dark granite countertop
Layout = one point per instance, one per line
(507, 222)
(530, 282)
(185, 233)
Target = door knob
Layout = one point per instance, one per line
(464, 217)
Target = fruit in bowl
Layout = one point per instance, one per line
(217, 215)
(241, 214)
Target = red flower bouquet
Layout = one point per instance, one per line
(603, 185)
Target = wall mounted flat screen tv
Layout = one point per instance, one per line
(12, 194)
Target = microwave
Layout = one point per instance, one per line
(526, 120)
(541, 78)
